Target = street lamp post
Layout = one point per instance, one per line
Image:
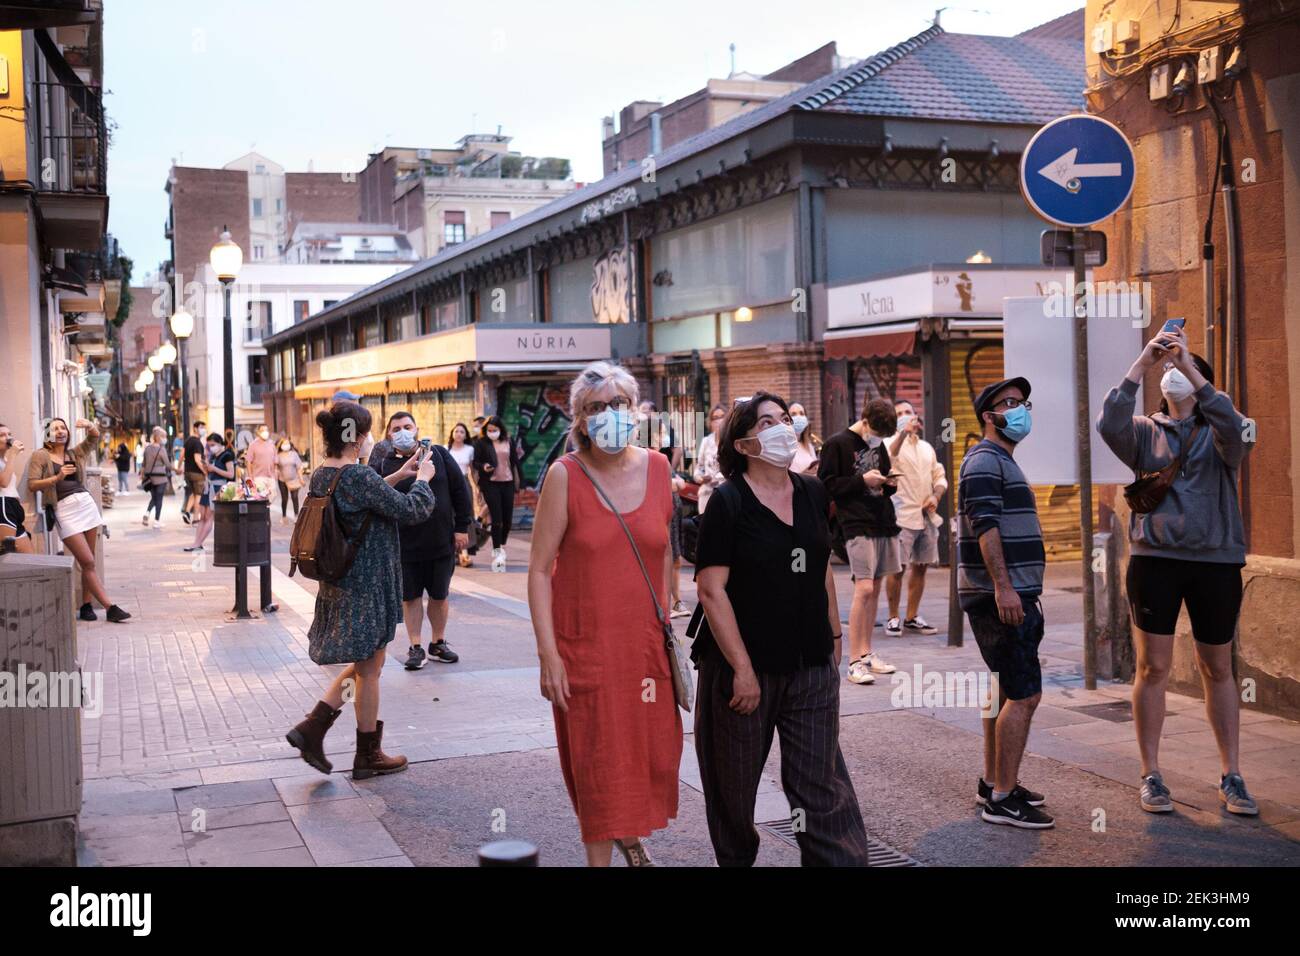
(182, 324)
(226, 258)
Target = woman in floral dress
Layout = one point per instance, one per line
(356, 616)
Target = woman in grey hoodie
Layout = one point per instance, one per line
(1190, 548)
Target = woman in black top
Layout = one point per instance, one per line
(497, 464)
(768, 653)
(123, 460)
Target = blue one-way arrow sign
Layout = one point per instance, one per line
(1077, 170)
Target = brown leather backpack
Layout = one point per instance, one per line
(319, 546)
(1145, 494)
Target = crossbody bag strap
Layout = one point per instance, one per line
(659, 611)
(1186, 446)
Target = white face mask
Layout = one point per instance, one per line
(264, 434)
(800, 423)
(493, 434)
(1175, 387)
(777, 445)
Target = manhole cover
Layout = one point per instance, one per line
(1117, 711)
(878, 854)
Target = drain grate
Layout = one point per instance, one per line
(878, 854)
(1116, 711)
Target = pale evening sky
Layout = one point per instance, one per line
(329, 81)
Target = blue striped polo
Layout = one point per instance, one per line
(993, 493)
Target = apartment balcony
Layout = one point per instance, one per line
(70, 172)
(39, 14)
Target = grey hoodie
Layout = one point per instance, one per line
(1199, 519)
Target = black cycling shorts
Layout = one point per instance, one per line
(1157, 588)
(433, 576)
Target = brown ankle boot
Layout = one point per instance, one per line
(309, 736)
(371, 761)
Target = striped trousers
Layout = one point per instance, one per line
(803, 709)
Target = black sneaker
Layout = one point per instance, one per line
(415, 658)
(1014, 812)
(116, 615)
(984, 793)
(187, 518)
(87, 613)
(441, 653)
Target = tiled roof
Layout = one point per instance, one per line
(1069, 26)
(933, 75)
(959, 76)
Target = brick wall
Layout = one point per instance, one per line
(320, 197)
(375, 191)
(791, 370)
(1157, 239)
(203, 200)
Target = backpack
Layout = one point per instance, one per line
(319, 546)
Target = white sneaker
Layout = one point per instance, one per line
(876, 664)
(157, 523)
(499, 560)
(894, 627)
(860, 673)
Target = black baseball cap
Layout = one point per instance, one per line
(985, 398)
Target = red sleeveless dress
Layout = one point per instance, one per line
(621, 741)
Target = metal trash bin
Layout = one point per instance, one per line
(241, 538)
(40, 782)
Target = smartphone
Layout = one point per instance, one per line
(1173, 325)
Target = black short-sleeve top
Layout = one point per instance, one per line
(777, 580)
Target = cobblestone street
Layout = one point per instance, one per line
(187, 764)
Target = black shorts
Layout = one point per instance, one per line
(1157, 588)
(433, 576)
(12, 515)
(1010, 652)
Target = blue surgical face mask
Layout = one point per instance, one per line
(1017, 423)
(404, 439)
(800, 422)
(612, 430)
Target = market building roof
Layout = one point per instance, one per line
(1021, 80)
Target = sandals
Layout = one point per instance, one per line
(635, 855)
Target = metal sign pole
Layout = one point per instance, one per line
(1084, 436)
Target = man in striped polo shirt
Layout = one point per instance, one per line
(1000, 576)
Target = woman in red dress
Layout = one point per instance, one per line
(604, 666)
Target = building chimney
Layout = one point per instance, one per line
(656, 135)
(606, 127)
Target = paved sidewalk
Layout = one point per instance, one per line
(188, 766)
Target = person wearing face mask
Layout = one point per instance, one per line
(768, 649)
(807, 455)
(921, 483)
(497, 463)
(288, 475)
(219, 466)
(260, 457)
(604, 666)
(855, 468)
(428, 548)
(1189, 549)
(999, 579)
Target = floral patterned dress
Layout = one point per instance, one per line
(359, 614)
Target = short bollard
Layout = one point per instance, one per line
(507, 853)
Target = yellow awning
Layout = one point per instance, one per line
(415, 380)
(424, 379)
